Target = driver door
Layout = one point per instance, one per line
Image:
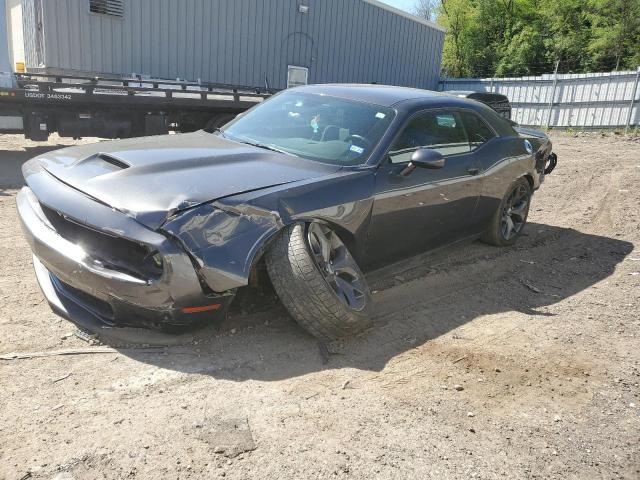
(425, 208)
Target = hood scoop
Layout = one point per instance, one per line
(101, 158)
(87, 168)
(115, 161)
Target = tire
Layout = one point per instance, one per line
(304, 289)
(511, 206)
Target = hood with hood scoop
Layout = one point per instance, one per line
(150, 178)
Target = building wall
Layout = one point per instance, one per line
(240, 42)
(5, 60)
(14, 26)
(28, 32)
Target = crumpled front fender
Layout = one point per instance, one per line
(224, 240)
(225, 237)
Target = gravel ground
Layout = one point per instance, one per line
(483, 363)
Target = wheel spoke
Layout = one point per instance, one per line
(509, 225)
(519, 210)
(322, 247)
(514, 213)
(350, 293)
(346, 269)
(343, 263)
(337, 265)
(325, 245)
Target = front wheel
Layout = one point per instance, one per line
(510, 218)
(319, 282)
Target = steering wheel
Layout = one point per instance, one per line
(355, 138)
(328, 130)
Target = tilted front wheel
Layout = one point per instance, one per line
(319, 282)
(509, 220)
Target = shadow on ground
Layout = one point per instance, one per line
(421, 300)
(12, 161)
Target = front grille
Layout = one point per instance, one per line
(115, 253)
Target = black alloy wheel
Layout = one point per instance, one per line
(514, 212)
(337, 266)
(510, 217)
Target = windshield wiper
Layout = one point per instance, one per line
(217, 130)
(266, 146)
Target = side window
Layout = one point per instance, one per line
(478, 131)
(439, 130)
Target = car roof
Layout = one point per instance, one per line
(384, 95)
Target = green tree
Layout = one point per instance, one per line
(569, 30)
(458, 16)
(615, 40)
(527, 37)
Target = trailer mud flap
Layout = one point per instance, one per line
(36, 126)
(155, 124)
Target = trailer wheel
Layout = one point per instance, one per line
(319, 282)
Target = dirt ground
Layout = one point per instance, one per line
(483, 363)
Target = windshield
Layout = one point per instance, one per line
(313, 126)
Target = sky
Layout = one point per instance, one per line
(406, 5)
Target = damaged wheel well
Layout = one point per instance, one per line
(345, 235)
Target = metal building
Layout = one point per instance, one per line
(237, 42)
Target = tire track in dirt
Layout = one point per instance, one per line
(385, 404)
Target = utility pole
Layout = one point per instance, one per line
(633, 100)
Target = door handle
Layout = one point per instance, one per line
(473, 170)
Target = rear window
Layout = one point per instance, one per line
(438, 130)
(477, 129)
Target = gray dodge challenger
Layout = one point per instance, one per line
(317, 185)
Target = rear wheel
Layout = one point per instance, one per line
(510, 218)
(319, 282)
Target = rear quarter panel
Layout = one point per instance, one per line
(502, 162)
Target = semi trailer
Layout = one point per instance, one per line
(75, 59)
(78, 106)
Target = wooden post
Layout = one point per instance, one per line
(633, 100)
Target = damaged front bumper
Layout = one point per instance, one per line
(84, 286)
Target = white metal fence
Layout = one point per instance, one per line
(589, 100)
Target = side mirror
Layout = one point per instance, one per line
(423, 158)
(427, 158)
